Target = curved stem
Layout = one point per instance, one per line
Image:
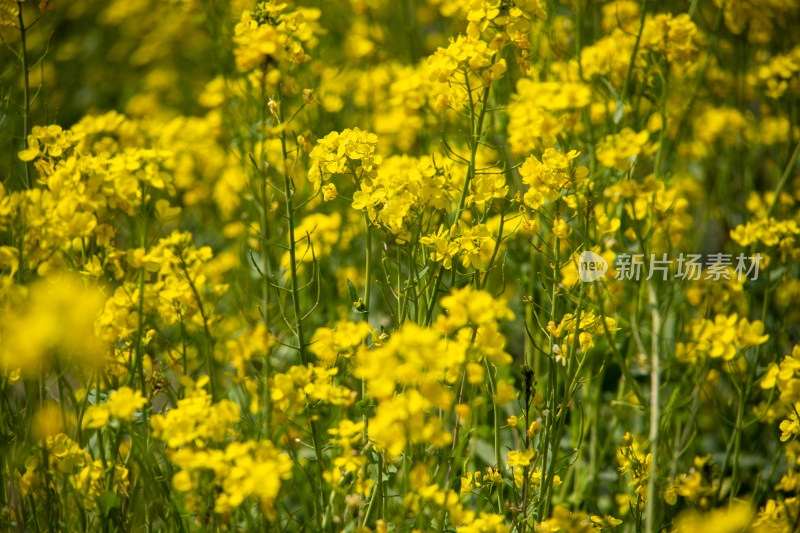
(206, 329)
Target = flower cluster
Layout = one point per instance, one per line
(539, 112)
(269, 35)
(548, 177)
(377, 267)
(351, 151)
(724, 337)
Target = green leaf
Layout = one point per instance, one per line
(619, 111)
(352, 291)
(485, 452)
(108, 503)
(462, 444)
(358, 303)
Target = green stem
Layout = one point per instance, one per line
(376, 492)
(265, 277)
(138, 363)
(655, 379)
(368, 268)
(476, 128)
(626, 84)
(367, 284)
(288, 194)
(26, 105)
(206, 329)
(782, 182)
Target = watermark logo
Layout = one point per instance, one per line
(591, 266)
(635, 267)
(714, 267)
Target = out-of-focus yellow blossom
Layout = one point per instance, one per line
(468, 306)
(767, 231)
(618, 150)
(317, 235)
(516, 458)
(539, 112)
(9, 12)
(291, 390)
(756, 20)
(609, 56)
(694, 486)
(404, 420)
(268, 34)
(195, 417)
(485, 523)
(605, 522)
(724, 124)
(48, 421)
(622, 14)
(242, 470)
(565, 520)
(124, 402)
(725, 520)
(249, 344)
(504, 393)
(412, 356)
(673, 38)
(55, 318)
(122, 405)
(780, 74)
(724, 337)
(786, 376)
(342, 340)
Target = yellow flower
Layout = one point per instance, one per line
(504, 393)
(618, 151)
(561, 229)
(57, 317)
(30, 153)
(352, 150)
(750, 334)
(730, 519)
(342, 340)
(182, 481)
(96, 416)
(329, 192)
(475, 373)
(516, 458)
(123, 403)
(605, 522)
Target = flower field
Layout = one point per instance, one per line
(400, 265)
